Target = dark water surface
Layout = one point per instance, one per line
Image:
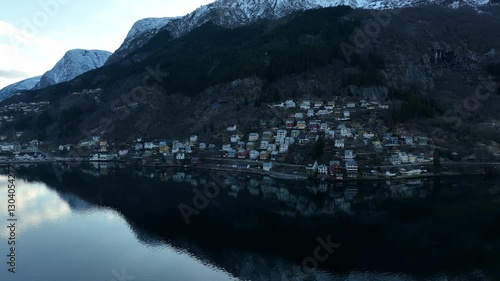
(124, 224)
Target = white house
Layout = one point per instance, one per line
(264, 144)
(253, 137)
(272, 147)
(226, 147)
(299, 115)
(330, 133)
(323, 169)
(139, 146)
(232, 128)
(351, 105)
(203, 146)
(290, 104)
(267, 166)
(305, 105)
(409, 140)
(368, 135)
(339, 143)
(10, 147)
(123, 152)
(235, 138)
(281, 134)
(180, 156)
(310, 113)
(149, 145)
(254, 154)
(284, 148)
(351, 166)
(106, 157)
(193, 139)
(318, 104)
(26, 157)
(348, 155)
(344, 131)
(395, 159)
(404, 157)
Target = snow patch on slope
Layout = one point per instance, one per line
(139, 34)
(234, 13)
(74, 63)
(18, 87)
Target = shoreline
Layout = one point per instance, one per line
(272, 174)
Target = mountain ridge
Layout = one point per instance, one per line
(23, 85)
(231, 14)
(72, 64)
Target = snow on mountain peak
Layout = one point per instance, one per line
(233, 13)
(74, 63)
(140, 33)
(147, 25)
(20, 86)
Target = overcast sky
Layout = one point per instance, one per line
(35, 34)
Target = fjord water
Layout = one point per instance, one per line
(125, 224)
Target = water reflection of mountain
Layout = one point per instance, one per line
(259, 228)
(75, 202)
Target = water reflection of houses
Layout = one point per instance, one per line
(245, 257)
(296, 198)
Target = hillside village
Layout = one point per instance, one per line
(336, 139)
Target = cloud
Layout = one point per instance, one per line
(12, 74)
(23, 56)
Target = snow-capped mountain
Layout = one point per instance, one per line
(140, 33)
(234, 13)
(74, 63)
(15, 88)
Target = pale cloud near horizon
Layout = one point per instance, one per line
(35, 34)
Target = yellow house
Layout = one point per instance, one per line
(164, 149)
